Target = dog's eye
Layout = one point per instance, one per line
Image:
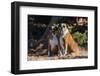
(63, 26)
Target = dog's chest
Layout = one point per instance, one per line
(64, 39)
(53, 41)
(61, 41)
(63, 33)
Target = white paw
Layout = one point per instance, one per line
(65, 53)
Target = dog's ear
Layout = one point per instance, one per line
(57, 25)
(67, 25)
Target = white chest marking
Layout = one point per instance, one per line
(64, 33)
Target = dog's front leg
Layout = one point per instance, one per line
(49, 49)
(49, 52)
(65, 49)
(61, 51)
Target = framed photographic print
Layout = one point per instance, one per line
(52, 37)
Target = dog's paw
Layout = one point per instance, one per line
(75, 55)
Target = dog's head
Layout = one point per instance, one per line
(54, 28)
(64, 28)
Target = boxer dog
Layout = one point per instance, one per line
(52, 41)
(67, 41)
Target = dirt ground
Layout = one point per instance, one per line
(83, 54)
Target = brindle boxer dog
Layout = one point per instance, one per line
(52, 41)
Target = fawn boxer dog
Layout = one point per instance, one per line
(66, 40)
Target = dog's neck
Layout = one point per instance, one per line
(64, 33)
(52, 36)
